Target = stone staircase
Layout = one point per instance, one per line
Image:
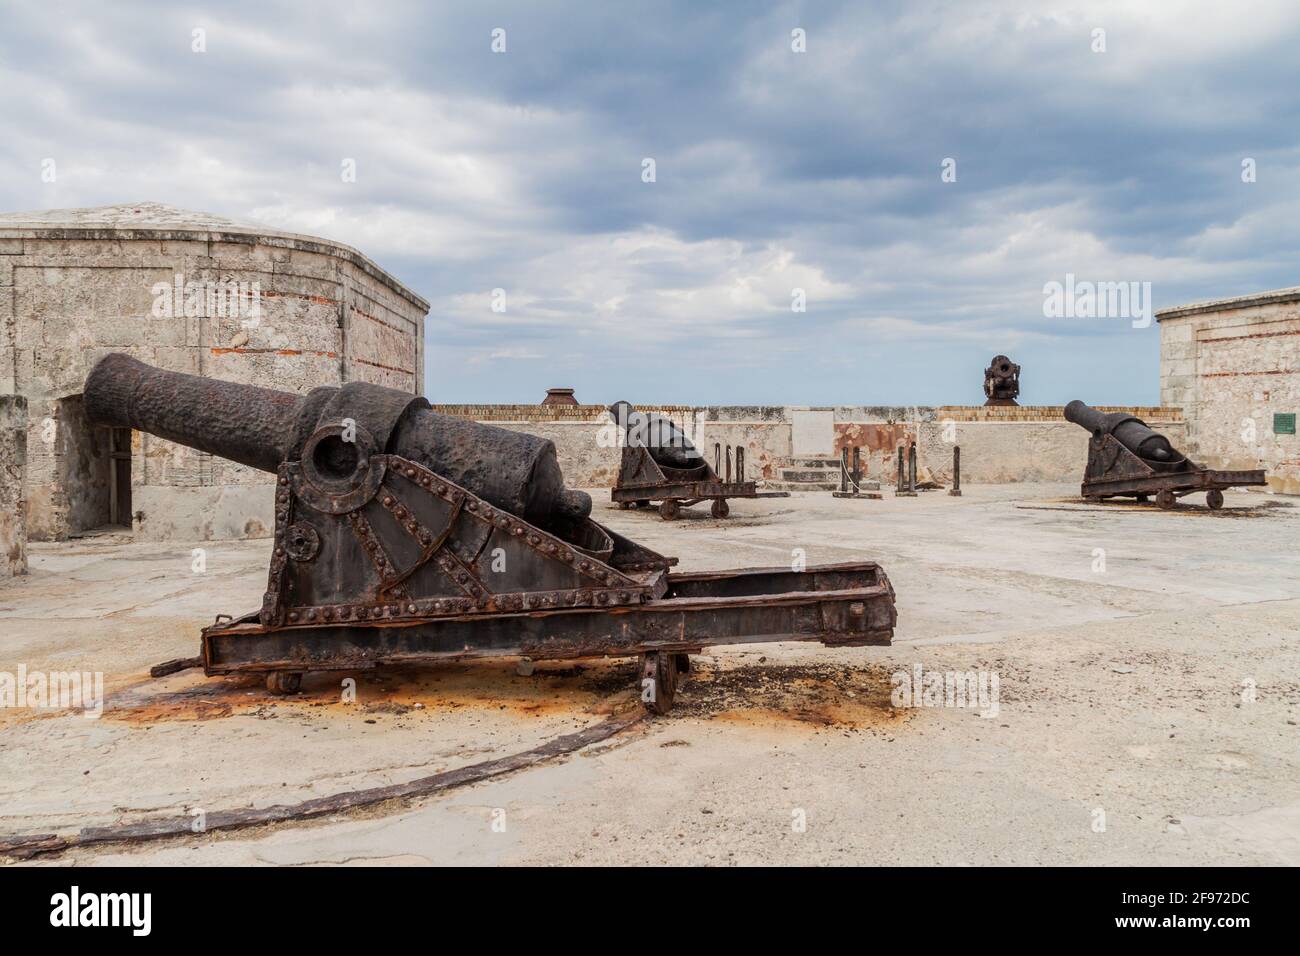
(805, 474)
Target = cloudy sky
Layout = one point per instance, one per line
(775, 170)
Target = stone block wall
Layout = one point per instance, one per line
(13, 468)
(1032, 443)
(69, 296)
(1233, 365)
(1006, 450)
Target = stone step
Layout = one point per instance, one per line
(818, 474)
(771, 485)
(809, 463)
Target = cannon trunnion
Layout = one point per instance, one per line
(1127, 458)
(381, 556)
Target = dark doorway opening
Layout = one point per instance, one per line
(119, 491)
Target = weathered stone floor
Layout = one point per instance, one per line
(1123, 694)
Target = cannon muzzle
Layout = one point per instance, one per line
(262, 427)
(1133, 433)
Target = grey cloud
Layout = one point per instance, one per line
(522, 171)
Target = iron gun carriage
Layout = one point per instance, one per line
(1127, 458)
(402, 535)
(659, 463)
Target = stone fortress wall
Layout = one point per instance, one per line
(78, 284)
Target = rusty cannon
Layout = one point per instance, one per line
(1127, 458)
(403, 535)
(660, 463)
(1001, 381)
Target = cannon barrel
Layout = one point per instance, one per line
(667, 444)
(1131, 432)
(262, 427)
(254, 426)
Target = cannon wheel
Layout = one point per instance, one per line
(1165, 499)
(669, 509)
(719, 508)
(660, 669)
(1214, 499)
(284, 682)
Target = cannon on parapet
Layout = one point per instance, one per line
(1127, 458)
(402, 535)
(1001, 381)
(660, 463)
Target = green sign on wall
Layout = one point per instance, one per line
(1284, 423)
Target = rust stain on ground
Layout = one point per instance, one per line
(819, 716)
(811, 696)
(587, 688)
(1188, 506)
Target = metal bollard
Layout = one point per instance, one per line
(902, 487)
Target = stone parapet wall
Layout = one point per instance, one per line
(998, 452)
(499, 414)
(1049, 413)
(1039, 445)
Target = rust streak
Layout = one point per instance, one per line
(378, 321)
(387, 368)
(1278, 371)
(242, 351)
(316, 299)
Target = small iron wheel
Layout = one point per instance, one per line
(643, 503)
(624, 505)
(1214, 498)
(283, 682)
(658, 681)
(1165, 499)
(720, 509)
(669, 509)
